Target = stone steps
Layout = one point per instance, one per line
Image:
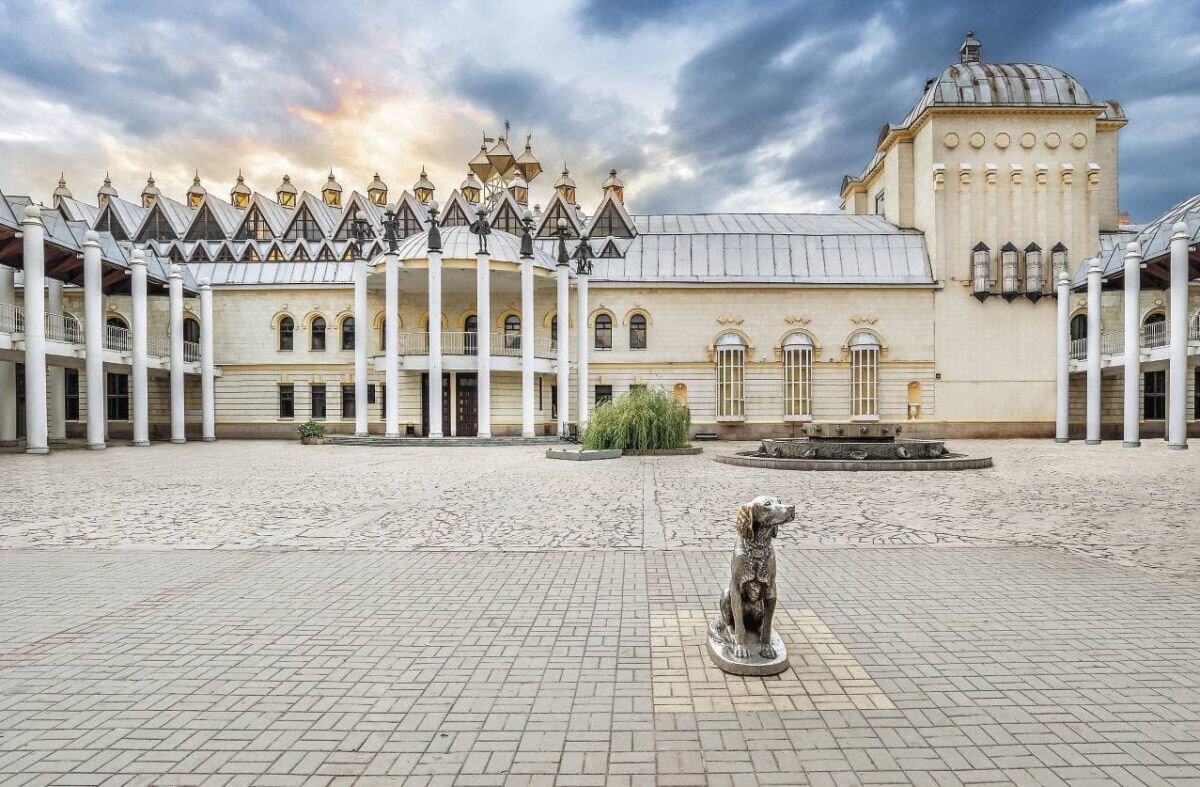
(411, 442)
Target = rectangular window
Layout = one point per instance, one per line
(879, 203)
(348, 401)
(370, 393)
(864, 382)
(603, 394)
(287, 401)
(118, 397)
(1154, 396)
(731, 393)
(541, 404)
(382, 400)
(554, 402)
(72, 393)
(797, 381)
(317, 392)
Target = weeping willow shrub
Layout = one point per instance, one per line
(641, 420)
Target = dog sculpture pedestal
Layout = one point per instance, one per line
(741, 639)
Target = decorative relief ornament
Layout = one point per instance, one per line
(1028, 140)
(864, 319)
(950, 140)
(1053, 140)
(729, 319)
(1078, 141)
(1003, 140)
(802, 319)
(977, 140)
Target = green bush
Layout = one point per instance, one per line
(311, 429)
(641, 420)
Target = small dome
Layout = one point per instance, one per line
(612, 181)
(106, 191)
(331, 184)
(377, 185)
(471, 188)
(564, 180)
(285, 186)
(423, 188)
(240, 187)
(62, 192)
(196, 189)
(151, 189)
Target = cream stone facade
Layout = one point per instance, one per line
(932, 299)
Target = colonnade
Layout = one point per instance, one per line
(45, 420)
(392, 267)
(1131, 350)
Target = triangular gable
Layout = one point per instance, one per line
(224, 254)
(304, 225)
(215, 219)
(326, 253)
(348, 254)
(611, 220)
(179, 215)
(108, 221)
(256, 226)
(74, 210)
(175, 254)
(610, 251)
(506, 216)
(411, 216)
(156, 226)
(275, 253)
(250, 253)
(301, 254)
(131, 215)
(199, 254)
(458, 212)
(358, 205)
(558, 209)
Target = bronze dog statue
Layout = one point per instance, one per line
(748, 604)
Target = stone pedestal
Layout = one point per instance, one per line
(721, 655)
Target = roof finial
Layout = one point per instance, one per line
(971, 49)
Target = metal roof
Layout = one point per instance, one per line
(262, 273)
(1154, 239)
(458, 243)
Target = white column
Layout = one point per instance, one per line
(362, 322)
(208, 414)
(141, 392)
(435, 343)
(1133, 345)
(93, 341)
(1177, 392)
(564, 344)
(8, 369)
(483, 340)
(34, 259)
(1093, 352)
(391, 316)
(581, 292)
(527, 312)
(55, 375)
(1063, 393)
(175, 295)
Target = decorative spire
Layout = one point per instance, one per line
(62, 192)
(106, 191)
(151, 193)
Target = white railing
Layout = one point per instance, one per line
(1079, 349)
(12, 318)
(158, 347)
(1112, 343)
(117, 339)
(63, 328)
(191, 351)
(1156, 334)
(1194, 327)
(467, 343)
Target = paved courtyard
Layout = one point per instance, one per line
(263, 613)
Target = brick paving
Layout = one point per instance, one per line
(258, 613)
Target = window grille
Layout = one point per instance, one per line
(797, 375)
(731, 371)
(864, 376)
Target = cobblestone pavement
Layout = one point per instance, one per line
(1135, 508)
(953, 665)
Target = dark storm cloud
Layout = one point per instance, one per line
(762, 81)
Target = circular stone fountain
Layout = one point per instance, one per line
(854, 446)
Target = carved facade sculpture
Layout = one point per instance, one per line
(741, 639)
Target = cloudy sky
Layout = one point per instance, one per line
(702, 105)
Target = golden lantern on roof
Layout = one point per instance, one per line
(150, 194)
(377, 191)
(195, 194)
(565, 186)
(471, 188)
(62, 192)
(331, 192)
(527, 163)
(519, 188)
(106, 191)
(480, 165)
(501, 158)
(239, 195)
(285, 195)
(614, 185)
(423, 188)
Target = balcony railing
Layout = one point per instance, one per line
(1112, 343)
(117, 339)
(466, 343)
(63, 328)
(191, 351)
(158, 346)
(1156, 334)
(12, 318)
(1079, 349)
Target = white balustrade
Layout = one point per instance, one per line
(1079, 349)
(1112, 343)
(158, 346)
(1156, 334)
(1194, 327)
(63, 328)
(191, 352)
(117, 339)
(12, 318)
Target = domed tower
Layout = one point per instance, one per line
(423, 188)
(471, 188)
(195, 194)
(106, 191)
(239, 195)
(331, 192)
(150, 193)
(377, 191)
(614, 185)
(62, 192)
(565, 186)
(285, 194)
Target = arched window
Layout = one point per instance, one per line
(864, 376)
(637, 332)
(116, 322)
(116, 335)
(471, 324)
(287, 330)
(348, 327)
(191, 330)
(731, 374)
(512, 332)
(603, 332)
(1154, 330)
(317, 334)
(797, 376)
(1078, 327)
